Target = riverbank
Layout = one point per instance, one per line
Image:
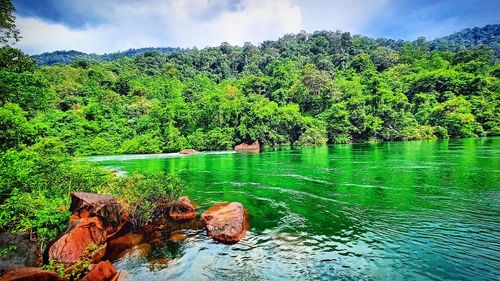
(100, 231)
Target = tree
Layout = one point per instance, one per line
(15, 60)
(8, 30)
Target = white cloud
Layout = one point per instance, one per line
(345, 15)
(176, 23)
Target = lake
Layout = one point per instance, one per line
(420, 210)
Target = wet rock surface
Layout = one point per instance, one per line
(225, 222)
(79, 236)
(188, 151)
(182, 209)
(20, 251)
(104, 207)
(122, 243)
(253, 147)
(103, 271)
(31, 274)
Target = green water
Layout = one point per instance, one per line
(395, 211)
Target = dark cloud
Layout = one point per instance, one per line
(74, 14)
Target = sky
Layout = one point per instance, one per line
(104, 26)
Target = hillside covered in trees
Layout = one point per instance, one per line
(487, 36)
(302, 89)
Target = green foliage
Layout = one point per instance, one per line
(145, 194)
(15, 60)
(15, 130)
(303, 89)
(8, 30)
(35, 184)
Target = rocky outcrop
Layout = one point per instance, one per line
(225, 222)
(188, 151)
(103, 271)
(80, 236)
(104, 207)
(31, 274)
(182, 209)
(254, 147)
(19, 251)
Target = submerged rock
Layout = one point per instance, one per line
(31, 274)
(103, 271)
(182, 209)
(188, 151)
(139, 251)
(19, 251)
(225, 222)
(104, 207)
(77, 239)
(254, 147)
(120, 244)
(121, 275)
(176, 237)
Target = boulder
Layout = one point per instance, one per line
(182, 209)
(225, 222)
(104, 207)
(254, 147)
(31, 274)
(19, 251)
(80, 236)
(103, 271)
(188, 151)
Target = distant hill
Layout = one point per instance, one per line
(466, 39)
(65, 57)
(488, 36)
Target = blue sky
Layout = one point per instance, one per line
(112, 25)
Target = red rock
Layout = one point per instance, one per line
(103, 271)
(122, 243)
(76, 239)
(111, 214)
(225, 222)
(254, 147)
(31, 274)
(182, 209)
(188, 151)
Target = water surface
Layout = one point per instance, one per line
(423, 210)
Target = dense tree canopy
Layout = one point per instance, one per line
(325, 87)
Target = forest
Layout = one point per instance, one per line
(302, 89)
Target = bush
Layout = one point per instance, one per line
(35, 184)
(145, 194)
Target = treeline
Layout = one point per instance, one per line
(325, 87)
(487, 36)
(66, 57)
